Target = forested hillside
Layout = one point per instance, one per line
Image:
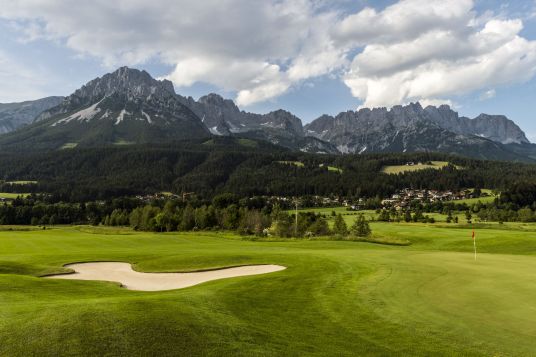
(241, 166)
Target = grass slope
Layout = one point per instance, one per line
(397, 169)
(335, 298)
(11, 195)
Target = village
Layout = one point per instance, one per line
(399, 200)
(404, 197)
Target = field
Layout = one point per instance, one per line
(335, 298)
(69, 146)
(123, 142)
(333, 169)
(397, 169)
(27, 182)
(11, 195)
(350, 216)
(295, 163)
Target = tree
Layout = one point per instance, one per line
(525, 215)
(53, 220)
(339, 226)
(230, 217)
(188, 219)
(252, 222)
(361, 227)
(283, 226)
(384, 216)
(418, 216)
(449, 217)
(468, 216)
(224, 200)
(135, 218)
(319, 227)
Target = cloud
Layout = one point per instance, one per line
(489, 94)
(450, 56)
(257, 49)
(411, 50)
(19, 83)
(405, 20)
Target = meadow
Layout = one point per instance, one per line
(335, 297)
(397, 169)
(11, 195)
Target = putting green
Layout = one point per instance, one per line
(334, 298)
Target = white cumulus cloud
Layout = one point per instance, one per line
(410, 50)
(446, 57)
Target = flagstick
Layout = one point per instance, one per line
(474, 244)
(474, 241)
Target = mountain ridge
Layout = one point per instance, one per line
(123, 107)
(15, 115)
(129, 106)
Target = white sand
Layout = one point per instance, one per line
(133, 280)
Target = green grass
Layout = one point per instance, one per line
(470, 201)
(397, 169)
(122, 142)
(248, 143)
(11, 195)
(333, 169)
(69, 146)
(349, 216)
(488, 199)
(295, 163)
(301, 164)
(336, 298)
(21, 182)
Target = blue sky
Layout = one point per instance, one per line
(307, 56)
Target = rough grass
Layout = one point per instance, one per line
(335, 298)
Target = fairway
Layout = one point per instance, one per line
(334, 298)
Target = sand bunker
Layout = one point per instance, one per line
(133, 280)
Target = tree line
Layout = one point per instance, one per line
(254, 216)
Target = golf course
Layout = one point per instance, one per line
(334, 298)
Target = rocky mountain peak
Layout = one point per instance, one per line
(216, 100)
(410, 127)
(128, 81)
(127, 105)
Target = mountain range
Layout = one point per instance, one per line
(128, 106)
(15, 115)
